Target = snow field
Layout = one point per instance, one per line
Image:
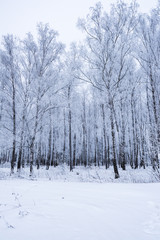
(50, 210)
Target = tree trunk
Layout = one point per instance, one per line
(113, 143)
(74, 151)
(14, 126)
(105, 137)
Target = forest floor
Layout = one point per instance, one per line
(83, 174)
(56, 210)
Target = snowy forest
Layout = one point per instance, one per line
(94, 104)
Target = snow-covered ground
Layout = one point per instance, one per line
(84, 174)
(56, 210)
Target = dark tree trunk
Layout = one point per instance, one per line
(105, 137)
(14, 126)
(113, 143)
(64, 141)
(70, 141)
(74, 151)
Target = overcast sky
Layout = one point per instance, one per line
(21, 16)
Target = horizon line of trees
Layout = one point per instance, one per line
(96, 104)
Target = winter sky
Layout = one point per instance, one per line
(21, 16)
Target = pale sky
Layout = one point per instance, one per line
(21, 16)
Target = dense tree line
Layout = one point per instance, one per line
(96, 104)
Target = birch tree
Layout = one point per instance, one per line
(109, 39)
(9, 60)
